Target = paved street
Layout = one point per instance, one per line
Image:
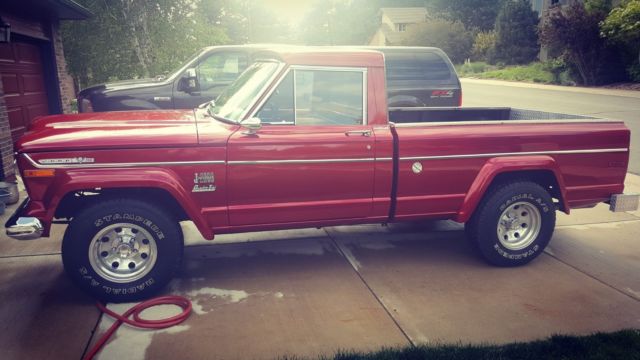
(314, 291)
(610, 104)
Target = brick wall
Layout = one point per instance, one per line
(67, 88)
(6, 146)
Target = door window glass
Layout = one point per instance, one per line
(316, 97)
(220, 69)
(279, 108)
(325, 97)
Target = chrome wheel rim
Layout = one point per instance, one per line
(519, 225)
(123, 252)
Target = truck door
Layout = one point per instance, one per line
(313, 158)
(214, 72)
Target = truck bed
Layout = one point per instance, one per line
(404, 115)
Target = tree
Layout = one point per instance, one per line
(516, 33)
(574, 32)
(475, 15)
(623, 25)
(451, 37)
(135, 38)
(339, 23)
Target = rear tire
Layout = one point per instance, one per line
(513, 223)
(122, 250)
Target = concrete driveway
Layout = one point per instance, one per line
(312, 292)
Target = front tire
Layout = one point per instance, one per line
(122, 250)
(513, 223)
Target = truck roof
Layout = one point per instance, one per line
(323, 56)
(316, 55)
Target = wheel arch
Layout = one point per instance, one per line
(159, 187)
(542, 170)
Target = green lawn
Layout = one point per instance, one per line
(535, 72)
(619, 345)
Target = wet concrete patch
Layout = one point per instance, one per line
(267, 299)
(43, 316)
(438, 290)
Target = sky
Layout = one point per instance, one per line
(290, 10)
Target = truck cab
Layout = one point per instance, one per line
(198, 80)
(416, 76)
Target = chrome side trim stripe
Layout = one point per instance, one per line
(301, 161)
(504, 122)
(119, 165)
(315, 161)
(523, 153)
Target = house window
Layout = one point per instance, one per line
(401, 27)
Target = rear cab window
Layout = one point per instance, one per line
(420, 66)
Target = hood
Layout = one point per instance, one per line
(122, 85)
(120, 129)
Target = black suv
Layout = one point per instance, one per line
(416, 76)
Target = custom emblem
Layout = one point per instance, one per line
(416, 167)
(203, 182)
(442, 94)
(74, 160)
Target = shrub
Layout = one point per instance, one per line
(451, 37)
(556, 67)
(575, 33)
(472, 68)
(483, 44)
(634, 72)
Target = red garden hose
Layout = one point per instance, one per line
(139, 322)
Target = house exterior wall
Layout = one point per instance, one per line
(6, 145)
(378, 39)
(388, 32)
(65, 81)
(60, 87)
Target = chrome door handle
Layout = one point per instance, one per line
(358, 132)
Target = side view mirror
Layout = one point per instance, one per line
(252, 125)
(190, 81)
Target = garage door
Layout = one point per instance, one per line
(23, 84)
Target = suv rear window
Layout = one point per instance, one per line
(420, 66)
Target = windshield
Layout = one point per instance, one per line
(235, 100)
(185, 65)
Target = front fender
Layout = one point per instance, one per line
(164, 179)
(501, 165)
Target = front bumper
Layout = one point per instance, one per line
(23, 228)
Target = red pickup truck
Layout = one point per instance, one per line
(304, 141)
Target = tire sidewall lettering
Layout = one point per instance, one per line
(96, 281)
(536, 200)
(119, 217)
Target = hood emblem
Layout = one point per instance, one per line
(73, 160)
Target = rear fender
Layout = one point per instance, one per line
(502, 165)
(164, 179)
